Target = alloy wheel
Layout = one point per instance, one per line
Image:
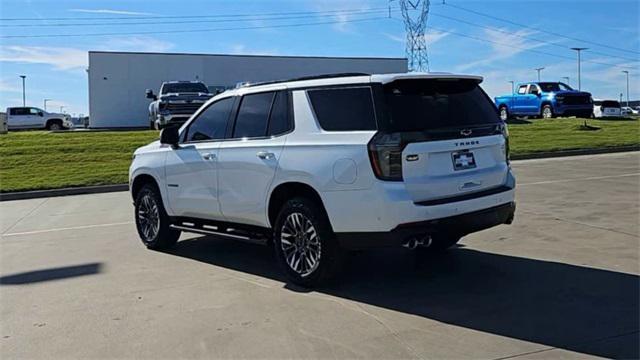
(300, 244)
(148, 217)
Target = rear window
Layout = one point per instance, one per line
(253, 115)
(419, 105)
(344, 109)
(610, 104)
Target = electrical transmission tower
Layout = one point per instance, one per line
(415, 13)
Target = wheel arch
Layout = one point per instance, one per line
(289, 190)
(141, 180)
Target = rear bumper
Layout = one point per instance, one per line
(460, 224)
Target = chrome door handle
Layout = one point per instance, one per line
(265, 155)
(209, 156)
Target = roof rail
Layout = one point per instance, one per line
(312, 77)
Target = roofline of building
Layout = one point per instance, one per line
(243, 55)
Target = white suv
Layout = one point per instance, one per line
(317, 166)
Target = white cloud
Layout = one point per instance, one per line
(432, 37)
(344, 12)
(136, 43)
(504, 44)
(110, 11)
(241, 49)
(61, 58)
(73, 59)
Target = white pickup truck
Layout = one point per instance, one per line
(34, 118)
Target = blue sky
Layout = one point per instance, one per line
(55, 67)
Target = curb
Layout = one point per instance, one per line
(576, 152)
(23, 195)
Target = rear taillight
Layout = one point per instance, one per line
(505, 133)
(385, 153)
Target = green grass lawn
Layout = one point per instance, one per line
(31, 160)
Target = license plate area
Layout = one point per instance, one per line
(463, 160)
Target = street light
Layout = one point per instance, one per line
(512, 86)
(567, 78)
(45, 104)
(579, 49)
(538, 70)
(627, 72)
(620, 97)
(24, 102)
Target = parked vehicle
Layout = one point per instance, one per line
(606, 108)
(178, 100)
(628, 111)
(546, 100)
(318, 166)
(35, 118)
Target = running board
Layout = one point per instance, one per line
(202, 231)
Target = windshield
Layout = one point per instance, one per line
(551, 87)
(184, 88)
(417, 105)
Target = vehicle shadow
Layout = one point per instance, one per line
(577, 308)
(58, 273)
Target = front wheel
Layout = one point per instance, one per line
(305, 245)
(54, 126)
(152, 221)
(547, 112)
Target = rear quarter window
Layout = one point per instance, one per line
(344, 109)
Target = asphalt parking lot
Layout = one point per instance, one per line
(562, 281)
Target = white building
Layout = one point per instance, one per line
(118, 80)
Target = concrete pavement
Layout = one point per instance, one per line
(562, 281)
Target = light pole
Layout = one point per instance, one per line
(45, 104)
(512, 86)
(579, 49)
(61, 107)
(24, 102)
(538, 70)
(627, 72)
(567, 78)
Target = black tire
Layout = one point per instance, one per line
(330, 256)
(55, 125)
(163, 237)
(440, 242)
(504, 113)
(546, 112)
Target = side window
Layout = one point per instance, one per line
(279, 121)
(211, 124)
(533, 89)
(522, 89)
(344, 109)
(34, 111)
(19, 111)
(253, 115)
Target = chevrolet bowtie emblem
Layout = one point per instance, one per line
(466, 132)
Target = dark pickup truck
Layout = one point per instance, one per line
(546, 100)
(177, 101)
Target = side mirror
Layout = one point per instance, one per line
(40, 113)
(150, 95)
(170, 136)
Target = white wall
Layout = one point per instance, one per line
(117, 81)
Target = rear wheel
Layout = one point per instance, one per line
(152, 221)
(305, 245)
(546, 112)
